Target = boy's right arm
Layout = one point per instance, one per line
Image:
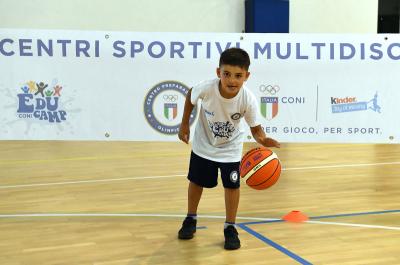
(184, 129)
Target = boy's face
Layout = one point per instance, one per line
(232, 78)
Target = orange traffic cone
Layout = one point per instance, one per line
(295, 216)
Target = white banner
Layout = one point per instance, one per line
(82, 85)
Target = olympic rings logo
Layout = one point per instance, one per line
(170, 98)
(269, 89)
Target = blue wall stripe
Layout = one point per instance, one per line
(275, 245)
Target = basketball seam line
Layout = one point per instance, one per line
(266, 179)
(265, 161)
(251, 151)
(247, 155)
(244, 158)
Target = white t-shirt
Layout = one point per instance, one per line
(220, 129)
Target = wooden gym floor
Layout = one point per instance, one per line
(115, 203)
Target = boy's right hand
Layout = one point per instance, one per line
(184, 133)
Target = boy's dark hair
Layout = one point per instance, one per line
(235, 57)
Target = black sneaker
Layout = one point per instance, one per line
(188, 228)
(231, 238)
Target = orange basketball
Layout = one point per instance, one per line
(260, 168)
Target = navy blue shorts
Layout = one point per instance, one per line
(204, 172)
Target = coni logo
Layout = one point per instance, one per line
(269, 104)
(163, 104)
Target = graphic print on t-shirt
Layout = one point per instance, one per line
(222, 129)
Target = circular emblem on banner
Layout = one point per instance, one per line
(163, 107)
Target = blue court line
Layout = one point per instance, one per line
(245, 227)
(354, 214)
(324, 216)
(201, 227)
(275, 245)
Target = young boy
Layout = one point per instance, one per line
(218, 138)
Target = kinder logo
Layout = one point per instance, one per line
(350, 104)
(41, 102)
(163, 104)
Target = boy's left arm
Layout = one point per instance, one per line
(261, 138)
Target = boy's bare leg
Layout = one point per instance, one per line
(231, 204)
(189, 224)
(194, 195)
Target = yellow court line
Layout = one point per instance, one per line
(87, 158)
(181, 175)
(58, 247)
